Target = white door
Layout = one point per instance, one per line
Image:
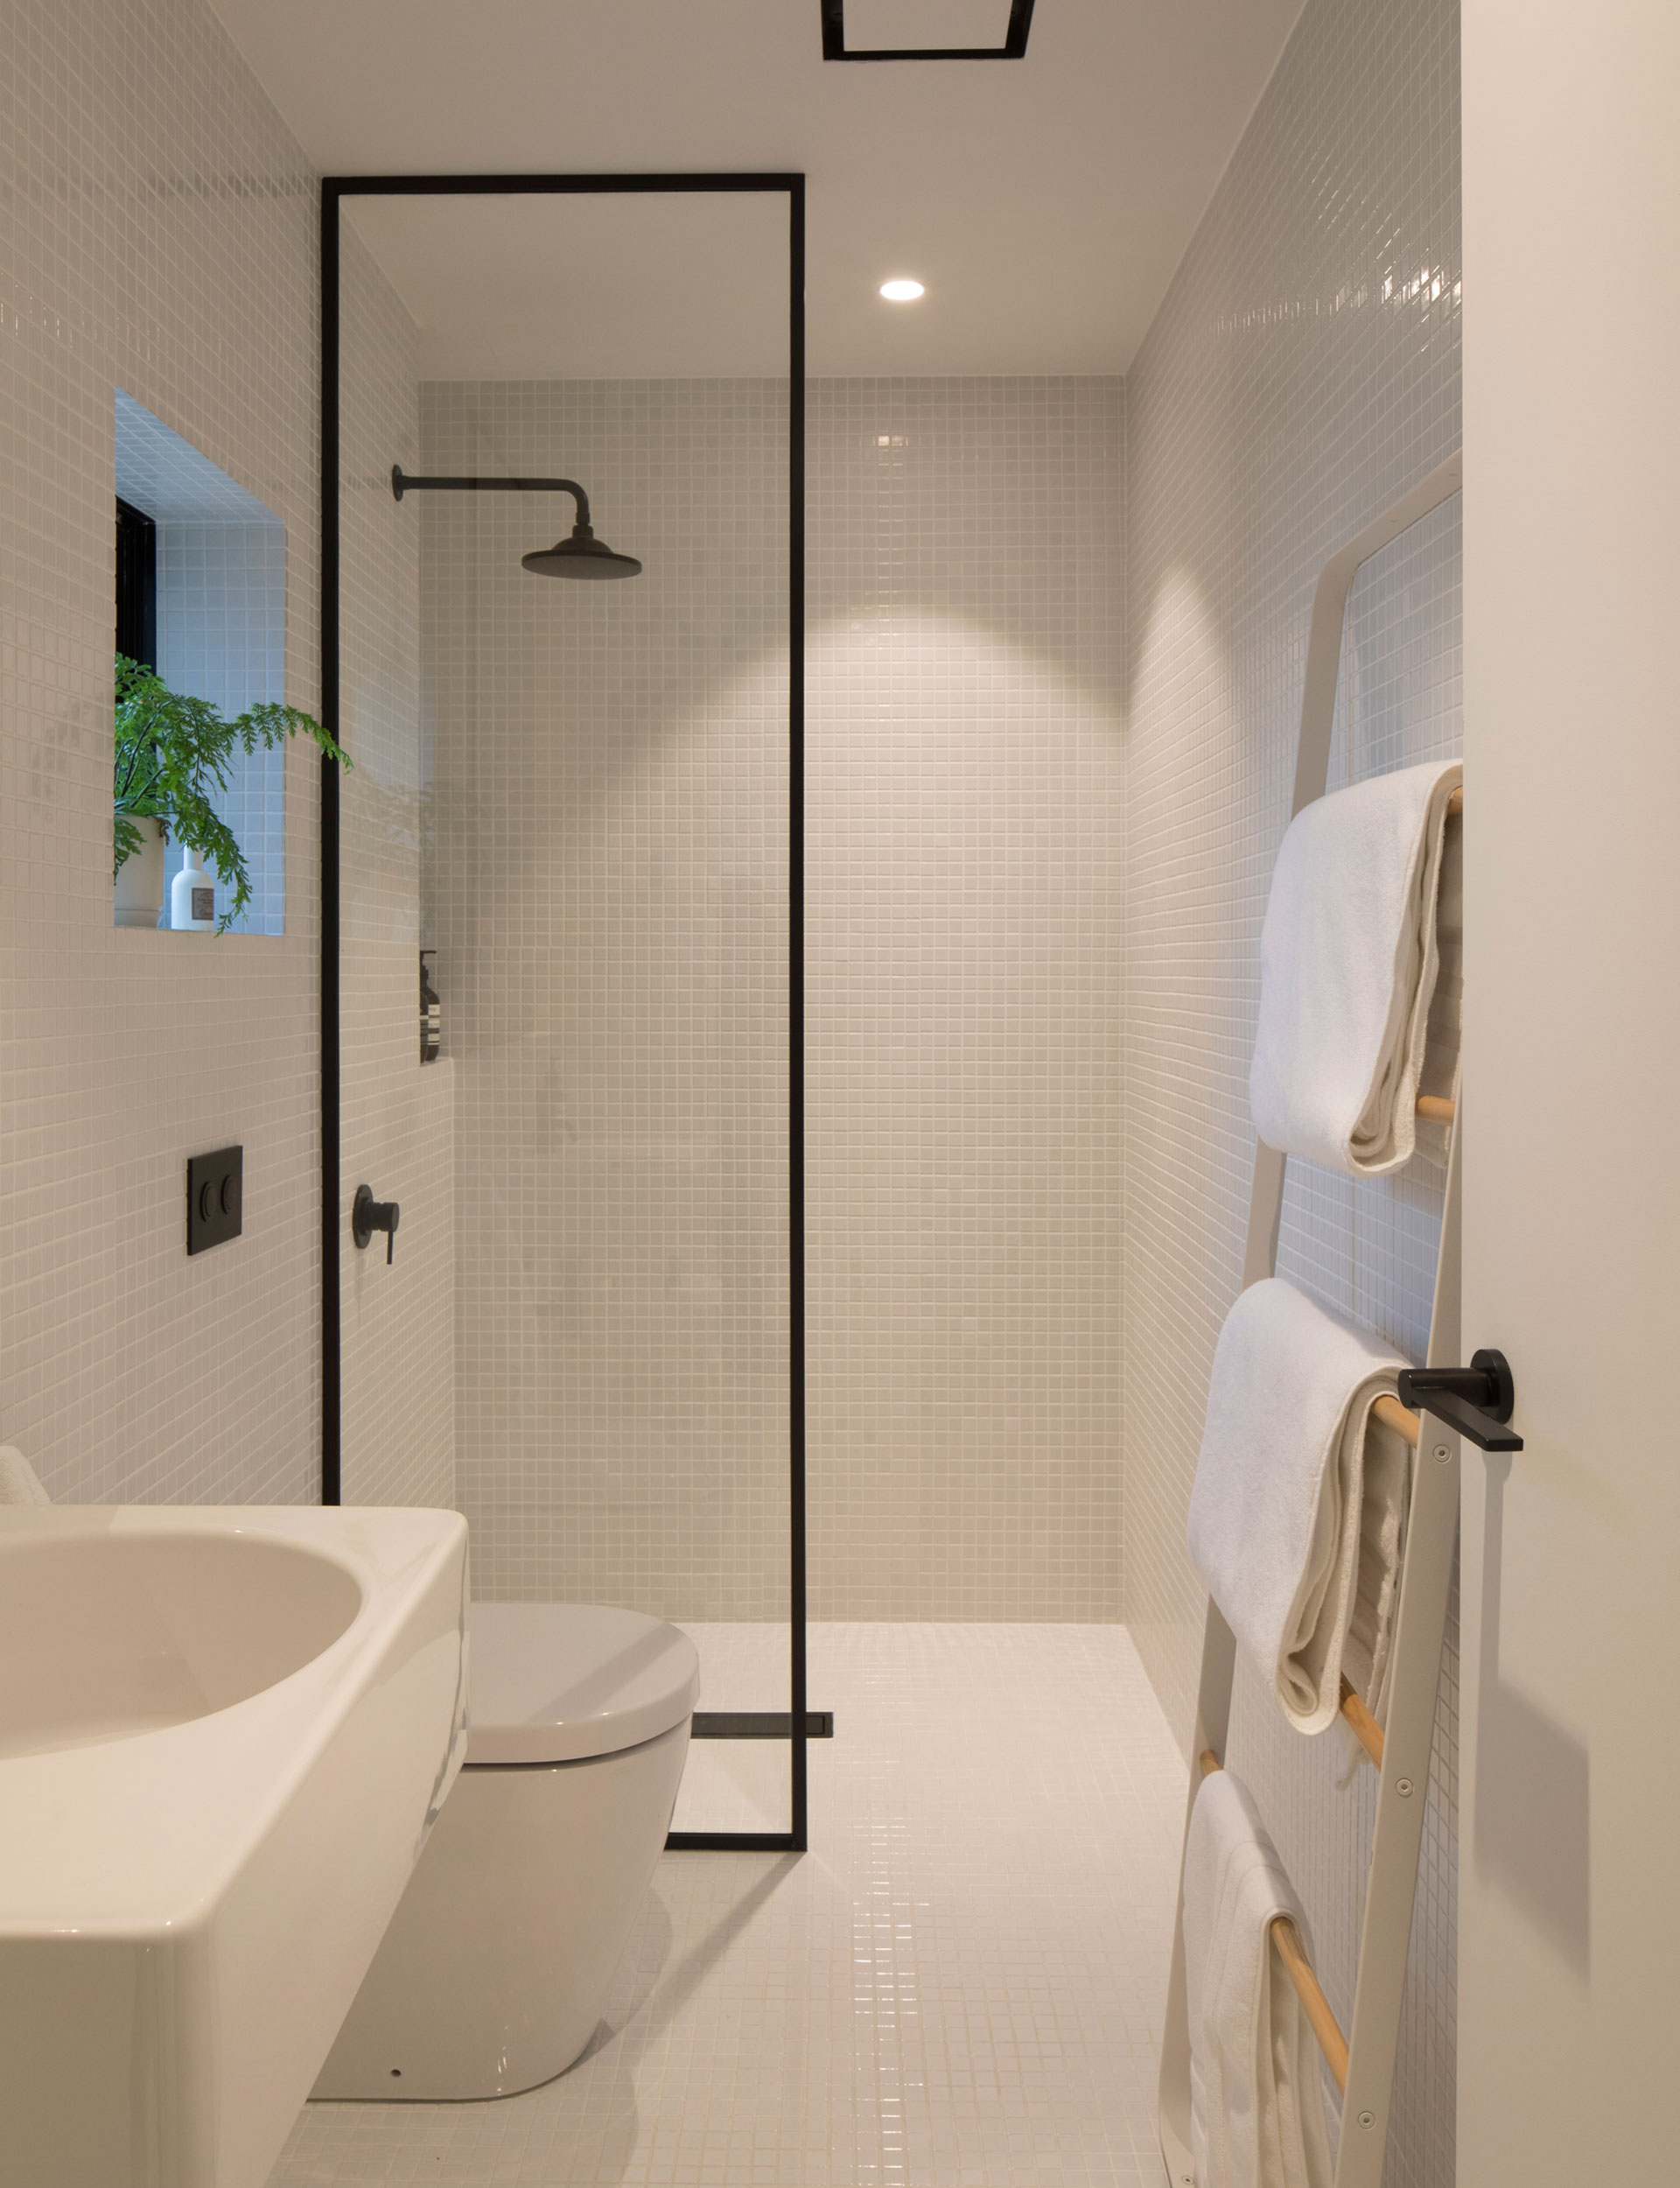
(1569, 2008)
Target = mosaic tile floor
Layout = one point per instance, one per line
(959, 1987)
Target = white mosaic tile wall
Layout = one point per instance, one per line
(1302, 371)
(611, 800)
(156, 233)
(398, 1319)
(964, 857)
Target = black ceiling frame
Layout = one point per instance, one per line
(801, 1724)
(1013, 47)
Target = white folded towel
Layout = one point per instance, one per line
(1348, 961)
(1256, 2095)
(19, 1484)
(1298, 1515)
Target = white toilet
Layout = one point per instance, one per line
(497, 1964)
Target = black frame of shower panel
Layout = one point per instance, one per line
(799, 1722)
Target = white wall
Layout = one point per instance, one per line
(611, 803)
(610, 793)
(1572, 1550)
(963, 973)
(159, 236)
(1302, 371)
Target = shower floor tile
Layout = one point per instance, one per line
(959, 1987)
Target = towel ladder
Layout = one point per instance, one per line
(1362, 2062)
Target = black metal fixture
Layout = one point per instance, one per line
(758, 1724)
(215, 1195)
(582, 555)
(835, 46)
(367, 1216)
(431, 1013)
(335, 189)
(1476, 1401)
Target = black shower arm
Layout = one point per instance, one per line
(402, 484)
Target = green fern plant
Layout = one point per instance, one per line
(173, 754)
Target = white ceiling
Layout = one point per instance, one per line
(1045, 202)
(660, 287)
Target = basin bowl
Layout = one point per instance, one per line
(225, 1734)
(105, 1636)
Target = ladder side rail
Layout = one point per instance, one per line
(1260, 1259)
(1330, 616)
(1211, 1731)
(1391, 1884)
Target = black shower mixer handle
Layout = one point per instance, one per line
(367, 1216)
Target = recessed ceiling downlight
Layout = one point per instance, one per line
(901, 291)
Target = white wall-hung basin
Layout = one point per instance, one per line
(225, 1733)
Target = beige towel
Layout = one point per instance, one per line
(1298, 1514)
(1257, 2096)
(19, 1484)
(1350, 962)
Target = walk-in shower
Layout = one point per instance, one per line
(581, 555)
(584, 804)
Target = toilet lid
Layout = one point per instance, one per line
(558, 1682)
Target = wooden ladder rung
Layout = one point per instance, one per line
(1286, 1942)
(1393, 1415)
(1364, 1727)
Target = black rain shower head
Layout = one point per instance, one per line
(582, 555)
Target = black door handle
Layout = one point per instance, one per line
(1476, 1401)
(367, 1216)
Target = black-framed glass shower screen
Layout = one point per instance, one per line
(562, 644)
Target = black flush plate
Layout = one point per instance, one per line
(215, 1193)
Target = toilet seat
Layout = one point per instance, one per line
(562, 1682)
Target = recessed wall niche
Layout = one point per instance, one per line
(221, 629)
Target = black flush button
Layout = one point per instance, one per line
(214, 1194)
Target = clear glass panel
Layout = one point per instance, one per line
(579, 806)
